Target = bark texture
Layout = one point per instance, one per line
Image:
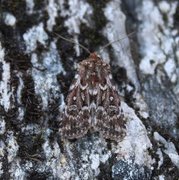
(37, 68)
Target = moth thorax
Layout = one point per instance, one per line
(93, 91)
(92, 111)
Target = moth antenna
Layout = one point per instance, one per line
(108, 44)
(72, 41)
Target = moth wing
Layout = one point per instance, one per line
(75, 121)
(110, 121)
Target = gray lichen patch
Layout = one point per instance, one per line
(5, 93)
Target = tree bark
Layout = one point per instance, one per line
(37, 68)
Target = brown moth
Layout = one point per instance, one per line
(93, 103)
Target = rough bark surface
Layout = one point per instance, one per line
(37, 68)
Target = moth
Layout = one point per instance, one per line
(93, 103)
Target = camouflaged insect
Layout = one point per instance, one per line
(93, 103)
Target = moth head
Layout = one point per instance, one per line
(94, 56)
(93, 70)
(94, 61)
